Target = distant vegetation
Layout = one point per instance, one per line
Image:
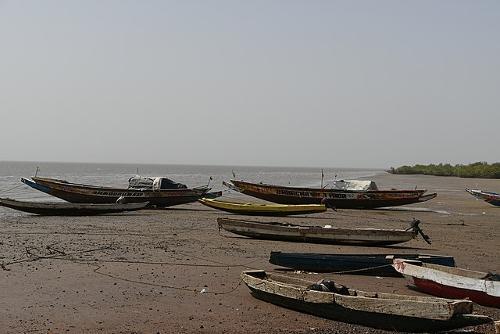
(477, 169)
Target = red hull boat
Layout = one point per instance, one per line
(482, 288)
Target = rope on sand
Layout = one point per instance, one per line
(61, 255)
(58, 255)
(96, 270)
(10, 189)
(352, 271)
(168, 263)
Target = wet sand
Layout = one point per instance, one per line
(173, 271)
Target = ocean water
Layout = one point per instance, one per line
(191, 175)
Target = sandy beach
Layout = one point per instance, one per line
(173, 271)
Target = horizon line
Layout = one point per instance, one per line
(191, 164)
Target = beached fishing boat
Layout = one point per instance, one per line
(320, 234)
(482, 288)
(69, 209)
(362, 264)
(261, 209)
(487, 196)
(340, 198)
(373, 309)
(82, 193)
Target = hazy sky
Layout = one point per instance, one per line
(286, 83)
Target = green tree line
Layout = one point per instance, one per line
(477, 169)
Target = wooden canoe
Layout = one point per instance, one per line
(69, 209)
(318, 234)
(335, 198)
(362, 264)
(373, 309)
(487, 196)
(260, 209)
(482, 288)
(82, 193)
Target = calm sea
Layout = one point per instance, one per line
(192, 175)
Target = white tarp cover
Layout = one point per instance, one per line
(165, 183)
(354, 185)
(140, 182)
(157, 183)
(153, 183)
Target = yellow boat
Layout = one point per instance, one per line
(261, 209)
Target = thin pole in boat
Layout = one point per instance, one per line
(322, 177)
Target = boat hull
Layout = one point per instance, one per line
(257, 209)
(79, 193)
(370, 319)
(315, 234)
(374, 309)
(441, 290)
(488, 197)
(447, 282)
(70, 209)
(362, 264)
(340, 199)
